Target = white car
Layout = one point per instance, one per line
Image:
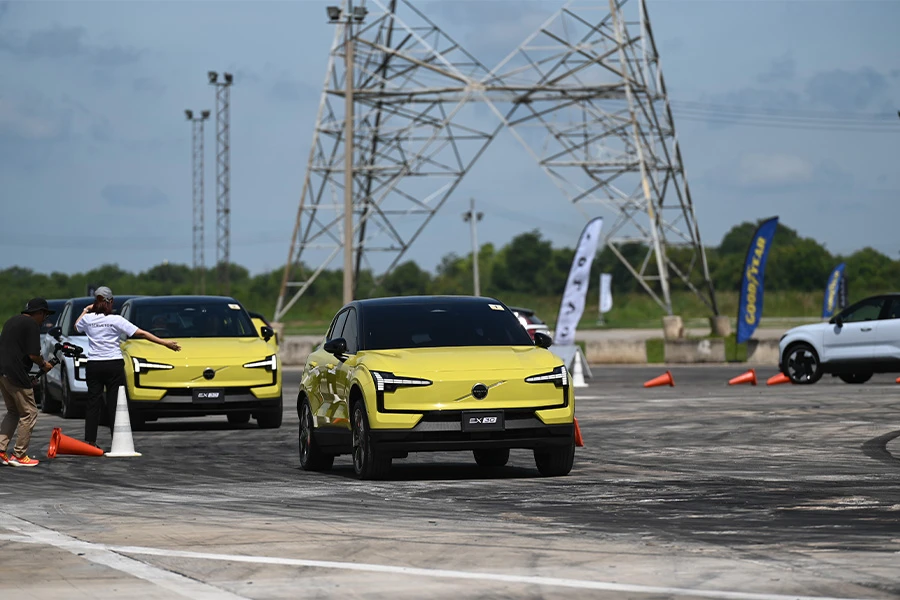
(65, 386)
(861, 340)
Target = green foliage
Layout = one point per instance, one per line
(528, 271)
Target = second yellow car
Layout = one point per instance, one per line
(226, 365)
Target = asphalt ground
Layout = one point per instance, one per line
(701, 490)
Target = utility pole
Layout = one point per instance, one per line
(223, 178)
(197, 197)
(336, 15)
(472, 217)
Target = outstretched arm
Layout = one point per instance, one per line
(170, 344)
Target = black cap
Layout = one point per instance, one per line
(36, 304)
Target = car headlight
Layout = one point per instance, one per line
(142, 366)
(558, 376)
(388, 382)
(269, 363)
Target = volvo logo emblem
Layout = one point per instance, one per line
(479, 390)
(208, 373)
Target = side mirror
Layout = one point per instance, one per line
(542, 340)
(839, 321)
(267, 332)
(337, 346)
(55, 333)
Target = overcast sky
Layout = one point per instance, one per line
(95, 156)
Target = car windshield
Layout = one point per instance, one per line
(411, 325)
(193, 319)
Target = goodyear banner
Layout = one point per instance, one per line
(572, 306)
(835, 292)
(751, 300)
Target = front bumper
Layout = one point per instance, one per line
(443, 430)
(182, 405)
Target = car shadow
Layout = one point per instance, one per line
(442, 471)
(186, 425)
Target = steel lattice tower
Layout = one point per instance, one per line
(223, 179)
(592, 82)
(197, 192)
(584, 95)
(413, 141)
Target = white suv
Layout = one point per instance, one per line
(860, 340)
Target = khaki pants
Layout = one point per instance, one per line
(20, 408)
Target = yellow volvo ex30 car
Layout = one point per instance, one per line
(397, 375)
(226, 365)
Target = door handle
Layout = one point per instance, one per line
(866, 329)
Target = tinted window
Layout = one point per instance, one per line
(74, 311)
(894, 312)
(192, 319)
(337, 326)
(350, 332)
(51, 320)
(866, 310)
(441, 324)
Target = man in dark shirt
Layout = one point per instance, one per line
(20, 347)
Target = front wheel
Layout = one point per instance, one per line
(311, 456)
(855, 377)
(270, 418)
(555, 462)
(802, 364)
(369, 461)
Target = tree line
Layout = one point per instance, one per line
(527, 267)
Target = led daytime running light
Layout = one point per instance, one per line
(270, 362)
(140, 365)
(559, 376)
(389, 379)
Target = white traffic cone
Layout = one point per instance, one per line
(122, 442)
(578, 372)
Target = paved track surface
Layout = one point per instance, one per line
(701, 490)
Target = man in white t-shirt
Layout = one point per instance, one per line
(106, 366)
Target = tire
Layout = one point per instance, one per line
(49, 404)
(67, 409)
(855, 377)
(801, 364)
(556, 462)
(369, 462)
(311, 456)
(492, 459)
(239, 418)
(271, 417)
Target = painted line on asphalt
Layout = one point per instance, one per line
(72, 545)
(109, 557)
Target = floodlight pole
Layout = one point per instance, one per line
(223, 178)
(472, 217)
(197, 197)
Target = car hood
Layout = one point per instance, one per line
(811, 330)
(192, 349)
(418, 361)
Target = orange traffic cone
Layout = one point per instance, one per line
(780, 378)
(748, 377)
(63, 444)
(664, 379)
(578, 441)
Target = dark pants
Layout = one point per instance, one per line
(108, 375)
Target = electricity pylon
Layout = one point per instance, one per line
(589, 81)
